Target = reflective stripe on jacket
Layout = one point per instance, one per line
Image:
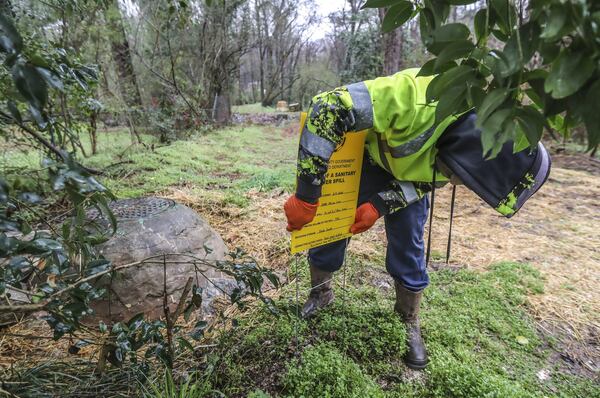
(401, 134)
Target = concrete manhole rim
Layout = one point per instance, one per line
(135, 208)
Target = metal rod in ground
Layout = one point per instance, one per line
(297, 278)
(344, 286)
(449, 245)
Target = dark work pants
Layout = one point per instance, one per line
(404, 229)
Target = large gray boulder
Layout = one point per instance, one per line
(150, 227)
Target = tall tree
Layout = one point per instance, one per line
(392, 46)
(356, 44)
(279, 37)
(128, 85)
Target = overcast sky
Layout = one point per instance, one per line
(325, 8)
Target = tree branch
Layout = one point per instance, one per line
(27, 308)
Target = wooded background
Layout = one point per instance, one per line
(167, 66)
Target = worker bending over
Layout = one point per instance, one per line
(406, 152)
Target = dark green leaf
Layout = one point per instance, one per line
(10, 39)
(96, 266)
(135, 321)
(451, 102)
(453, 51)
(475, 96)
(480, 25)
(198, 330)
(459, 75)
(31, 85)
(535, 98)
(446, 34)
(500, 35)
(104, 209)
(428, 68)
(492, 101)
(41, 245)
(440, 10)
(14, 111)
(451, 32)
(568, 74)
(51, 78)
(397, 15)
(188, 311)
(536, 74)
(591, 115)
(184, 344)
(498, 63)
(554, 22)
(38, 116)
(491, 132)
(197, 296)
(426, 26)
(4, 191)
(549, 51)
(531, 123)
(19, 264)
(37, 60)
(273, 279)
(519, 49)
(506, 15)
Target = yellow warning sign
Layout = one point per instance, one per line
(335, 213)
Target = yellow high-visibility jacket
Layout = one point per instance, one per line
(401, 135)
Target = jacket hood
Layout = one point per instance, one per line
(505, 182)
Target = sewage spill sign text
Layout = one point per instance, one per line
(335, 214)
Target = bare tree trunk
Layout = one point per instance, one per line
(94, 132)
(128, 86)
(392, 48)
(253, 78)
(221, 109)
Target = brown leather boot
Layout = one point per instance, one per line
(320, 295)
(407, 305)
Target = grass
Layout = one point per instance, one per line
(481, 341)
(228, 162)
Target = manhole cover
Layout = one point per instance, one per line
(132, 209)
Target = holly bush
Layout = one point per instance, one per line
(522, 70)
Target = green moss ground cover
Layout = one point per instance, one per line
(481, 340)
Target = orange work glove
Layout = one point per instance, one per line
(299, 213)
(365, 217)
